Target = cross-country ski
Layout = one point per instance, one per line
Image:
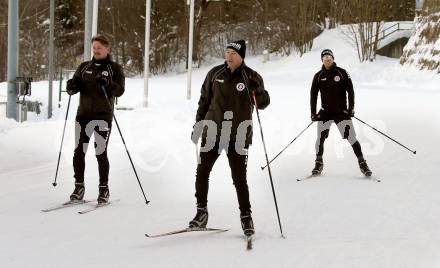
(187, 230)
(98, 206)
(307, 177)
(66, 205)
(372, 178)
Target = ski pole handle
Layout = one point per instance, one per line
(255, 99)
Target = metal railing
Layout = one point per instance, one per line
(398, 26)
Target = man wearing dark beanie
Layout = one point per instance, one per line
(239, 46)
(334, 84)
(224, 122)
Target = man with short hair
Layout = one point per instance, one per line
(95, 112)
(224, 121)
(334, 84)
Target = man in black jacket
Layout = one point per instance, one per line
(95, 112)
(224, 121)
(334, 84)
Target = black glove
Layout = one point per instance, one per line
(253, 85)
(104, 79)
(315, 117)
(196, 132)
(71, 88)
(349, 112)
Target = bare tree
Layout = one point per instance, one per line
(280, 26)
(364, 34)
(33, 41)
(431, 6)
(304, 27)
(69, 33)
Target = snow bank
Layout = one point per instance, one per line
(423, 48)
(6, 123)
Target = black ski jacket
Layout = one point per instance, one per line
(224, 91)
(334, 85)
(92, 101)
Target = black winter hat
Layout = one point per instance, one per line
(239, 46)
(327, 52)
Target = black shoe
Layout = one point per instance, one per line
(78, 193)
(201, 218)
(247, 224)
(365, 169)
(104, 194)
(319, 165)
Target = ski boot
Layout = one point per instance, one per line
(104, 194)
(201, 218)
(247, 224)
(78, 193)
(365, 169)
(319, 165)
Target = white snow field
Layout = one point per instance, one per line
(337, 220)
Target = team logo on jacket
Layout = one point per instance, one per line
(240, 86)
(337, 78)
(104, 73)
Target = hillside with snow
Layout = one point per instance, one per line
(337, 220)
(423, 48)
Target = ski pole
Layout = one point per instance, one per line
(54, 183)
(414, 152)
(123, 141)
(288, 145)
(267, 160)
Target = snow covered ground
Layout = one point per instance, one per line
(337, 220)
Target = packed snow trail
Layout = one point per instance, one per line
(332, 221)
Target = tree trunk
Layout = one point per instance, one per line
(197, 32)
